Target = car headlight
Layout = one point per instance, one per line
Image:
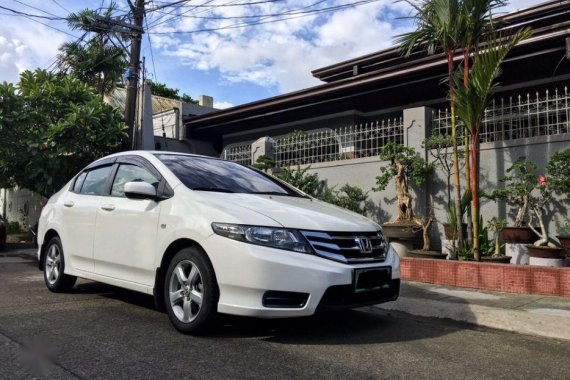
(281, 238)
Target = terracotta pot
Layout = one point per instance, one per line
(450, 234)
(519, 235)
(545, 252)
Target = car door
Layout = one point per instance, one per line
(126, 229)
(79, 212)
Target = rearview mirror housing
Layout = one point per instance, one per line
(140, 190)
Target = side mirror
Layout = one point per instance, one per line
(140, 190)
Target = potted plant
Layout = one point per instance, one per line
(519, 182)
(403, 165)
(493, 249)
(557, 182)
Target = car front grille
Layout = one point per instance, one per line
(348, 247)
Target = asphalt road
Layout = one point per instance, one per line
(103, 332)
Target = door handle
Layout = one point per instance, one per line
(108, 207)
(68, 203)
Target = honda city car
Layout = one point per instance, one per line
(207, 236)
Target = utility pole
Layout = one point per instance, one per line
(134, 68)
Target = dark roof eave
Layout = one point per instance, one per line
(511, 18)
(270, 104)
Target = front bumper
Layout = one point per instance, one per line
(246, 272)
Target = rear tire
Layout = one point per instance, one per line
(191, 292)
(54, 267)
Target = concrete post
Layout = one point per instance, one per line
(145, 135)
(261, 147)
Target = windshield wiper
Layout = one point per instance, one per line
(217, 189)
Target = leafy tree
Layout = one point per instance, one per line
(308, 183)
(558, 170)
(520, 181)
(264, 163)
(351, 198)
(52, 125)
(161, 89)
(348, 197)
(99, 61)
(404, 165)
(473, 99)
(438, 27)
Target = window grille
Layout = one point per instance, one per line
(517, 117)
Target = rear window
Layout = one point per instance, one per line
(207, 174)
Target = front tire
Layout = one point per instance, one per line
(54, 265)
(191, 292)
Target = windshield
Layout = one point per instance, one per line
(207, 174)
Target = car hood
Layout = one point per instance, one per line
(293, 212)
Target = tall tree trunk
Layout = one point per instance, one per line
(456, 181)
(475, 191)
(470, 232)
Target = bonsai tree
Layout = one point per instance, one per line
(496, 225)
(558, 169)
(404, 165)
(557, 181)
(439, 147)
(519, 182)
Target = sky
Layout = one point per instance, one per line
(206, 47)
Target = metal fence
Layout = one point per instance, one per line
(517, 117)
(240, 153)
(363, 140)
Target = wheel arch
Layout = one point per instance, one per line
(47, 237)
(169, 253)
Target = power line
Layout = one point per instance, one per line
(18, 13)
(259, 22)
(161, 20)
(38, 9)
(61, 6)
(216, 5)
(49, 26)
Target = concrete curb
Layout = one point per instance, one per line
(544, 323)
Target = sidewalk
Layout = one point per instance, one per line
(521, 313)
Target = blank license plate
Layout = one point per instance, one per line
(369, 279)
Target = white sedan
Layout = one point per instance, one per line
(207, 236)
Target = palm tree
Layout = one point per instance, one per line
(99, 61)
(472, 100)
(438, 27)
(476, 21)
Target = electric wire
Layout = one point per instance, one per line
(39, 9)
(18, 13)
(234, 26)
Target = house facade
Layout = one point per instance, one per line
(368, 101)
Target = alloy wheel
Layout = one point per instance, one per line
(53, 264)
(186, 291)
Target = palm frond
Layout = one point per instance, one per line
(471, 101)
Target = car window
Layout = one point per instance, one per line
(79, 182)
(207, 174)
(131, 173)
(95, 181)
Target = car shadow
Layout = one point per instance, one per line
(366, 325)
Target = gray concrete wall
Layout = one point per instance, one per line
(21, 205)
(496, 158)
